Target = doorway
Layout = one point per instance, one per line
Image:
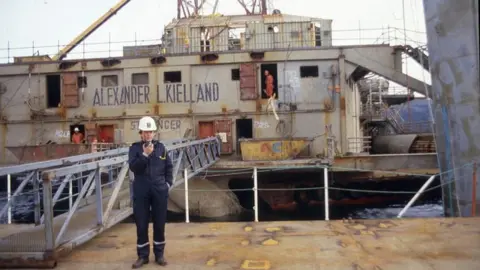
(244, 130)
(272, 69)
(53, 91)
(205, 129)
(106, 133)
(81, 130)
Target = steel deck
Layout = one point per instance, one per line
(435, 243)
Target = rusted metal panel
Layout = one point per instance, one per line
(224, 129)
(271, 149)
(425, 162)
(248, 82)
(206, 129)
(106, 133)
(48, 262)
(71, 101)
(70, 95)
(91, 131)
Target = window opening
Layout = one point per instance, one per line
(172, 77)
(82, 82)
(235, 74)
(54, 94)
(244, 130)
(140, 78)
(308, 71)
(109, 80)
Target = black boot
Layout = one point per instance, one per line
(161, 261)
(139, 263)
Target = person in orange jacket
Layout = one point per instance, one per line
(268, 84)
(77, 137)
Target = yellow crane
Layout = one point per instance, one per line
(63, 53)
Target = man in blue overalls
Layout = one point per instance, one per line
(152, 169)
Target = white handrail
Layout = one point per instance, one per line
(422, 189)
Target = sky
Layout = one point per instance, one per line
(44, 24)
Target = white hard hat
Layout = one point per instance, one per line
(76, 129)
(147, 123)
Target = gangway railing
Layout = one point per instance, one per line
(29, 172)
(88, 215)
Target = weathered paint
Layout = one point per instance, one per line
(452, 30)
(272, 149)
(301, 101)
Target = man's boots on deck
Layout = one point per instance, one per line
(139, 263)
(161, 261)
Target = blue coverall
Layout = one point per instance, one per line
(152, 180)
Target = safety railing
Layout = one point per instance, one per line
(231, 43)
(322, 188)
(29, 174)
(98, 195)
(375, 112)
(101, 146)
(359, 145)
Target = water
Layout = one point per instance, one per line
(426, 209)
(429, 205)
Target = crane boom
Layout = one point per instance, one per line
(63, 53)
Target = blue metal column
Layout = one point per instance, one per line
(452, 31)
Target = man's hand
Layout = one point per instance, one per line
(148, 149)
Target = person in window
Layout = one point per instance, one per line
(77, 137)
(268, 84)
(152, 169)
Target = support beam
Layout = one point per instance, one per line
(452, 31)
(384, 65)
(388, 162)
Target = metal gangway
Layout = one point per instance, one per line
(97, 198)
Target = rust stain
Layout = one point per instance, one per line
(258, 106)
(4, 141)
(245, 242)
(211, 262)
(270, 242)
(248, 228)
(343, 105)
(257, 265)
(273, 229)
